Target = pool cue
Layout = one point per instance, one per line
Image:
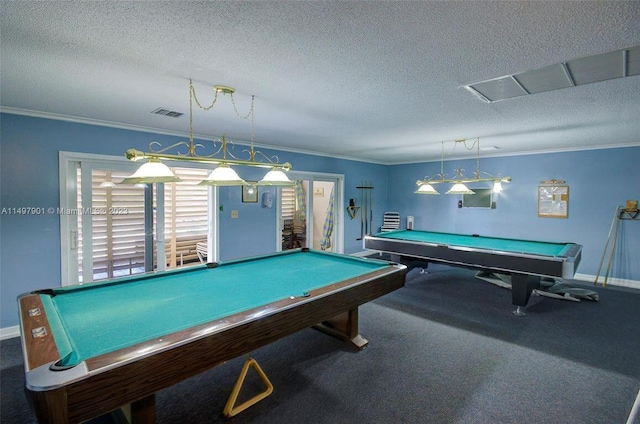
(613, 248)
(604, 253)
(368, 226)
(361, 217)
(371, 207)
(366, 209)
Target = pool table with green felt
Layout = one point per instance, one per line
(518, 258)
(89, 349)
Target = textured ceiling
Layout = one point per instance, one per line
(374, 81)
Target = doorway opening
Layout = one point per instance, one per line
(310, 213)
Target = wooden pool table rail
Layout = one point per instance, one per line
(127, 375)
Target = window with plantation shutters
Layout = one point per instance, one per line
(117, 225)
(289, 209)
(185, 211)
(96, 245)
(288, 198)
(118, 222)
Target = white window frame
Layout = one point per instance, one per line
(68, 163)
(338, 180)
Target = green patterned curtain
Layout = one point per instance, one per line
(301, 202)
(327, 228)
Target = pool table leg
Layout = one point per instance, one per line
(521, 288)
(411, 263)
(143, 411)
(49, 407)
(344, 327)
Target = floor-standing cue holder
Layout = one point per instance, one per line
(366, 208)
(630, 212)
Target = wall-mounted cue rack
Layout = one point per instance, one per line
(366, 208)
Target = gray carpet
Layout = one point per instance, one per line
(444, 349)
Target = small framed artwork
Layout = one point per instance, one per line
(249, 194)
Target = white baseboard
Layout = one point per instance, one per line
(620, 282)
(9, 332)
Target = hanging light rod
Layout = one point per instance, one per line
(465, 180)
(425, 186)
(154, 171)
(137, 155)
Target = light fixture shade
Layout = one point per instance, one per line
(276, 177)
(497, 187)
(223, 175)
(153, 171)
(459, 188)
(107, 184)
(426, 188)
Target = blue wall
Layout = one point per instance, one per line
(30, 245)
(252, 233)
(599, 180)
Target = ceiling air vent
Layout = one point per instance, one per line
(167, 112)
(584, 70)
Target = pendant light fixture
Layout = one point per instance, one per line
(425, 186)
(223, 175)
(460, 188)
(154, 171)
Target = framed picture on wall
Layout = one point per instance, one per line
(249, 194)
(553, 201)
